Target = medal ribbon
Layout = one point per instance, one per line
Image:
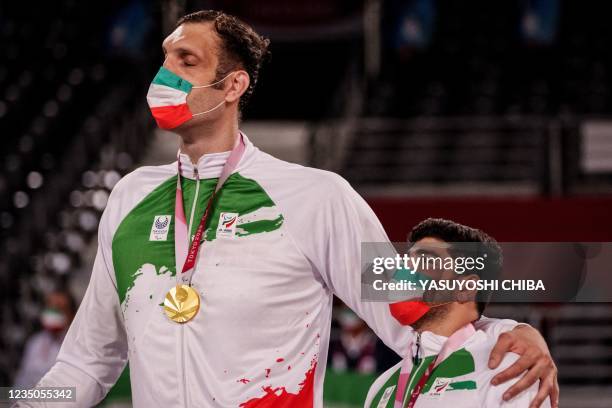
(181, 233)
(450, 346)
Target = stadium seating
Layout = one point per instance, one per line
(70, 129)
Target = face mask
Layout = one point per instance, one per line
(167, 98)
(53, 320)
(409, 311)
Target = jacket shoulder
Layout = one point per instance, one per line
(275, 171)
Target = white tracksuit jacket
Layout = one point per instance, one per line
(262, 333)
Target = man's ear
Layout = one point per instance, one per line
(238, 85)
(468, 295)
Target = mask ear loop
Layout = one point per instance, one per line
(207, 86)
(210, 110)
(214, 83)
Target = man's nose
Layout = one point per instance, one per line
(169, 64)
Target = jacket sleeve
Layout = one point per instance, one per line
(94, 351)
(347, 221)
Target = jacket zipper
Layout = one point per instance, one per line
(416, 359)
(416, 370)
(193, 207)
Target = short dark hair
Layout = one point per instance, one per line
(450, 231)
(240, 45)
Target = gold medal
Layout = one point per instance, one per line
(182, 303)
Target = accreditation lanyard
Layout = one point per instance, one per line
(182, 249)
(451, 345)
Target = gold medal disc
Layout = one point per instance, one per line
(182, 303)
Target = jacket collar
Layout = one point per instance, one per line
(210, 165)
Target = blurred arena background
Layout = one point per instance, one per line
(497, 114)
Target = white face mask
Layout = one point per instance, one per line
(167, 98)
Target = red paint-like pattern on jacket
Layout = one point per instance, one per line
(280, 398)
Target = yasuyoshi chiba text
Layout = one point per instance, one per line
(460, 284)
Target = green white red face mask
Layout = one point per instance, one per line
(409, 311)
(167, 98)
(53, 320)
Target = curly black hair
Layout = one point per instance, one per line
(240, 46)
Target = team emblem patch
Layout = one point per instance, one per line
(439, 386)
(227, 224)
(160, 228)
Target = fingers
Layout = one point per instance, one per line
(526, 362)
(535, 362)
(535, 372)
(505, 341)
(548, 388)
(554, 395)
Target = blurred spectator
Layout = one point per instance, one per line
(129, 29)
(414, 24)
(540, 21)
(354, 349)
(42, 347)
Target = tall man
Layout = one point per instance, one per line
(229, 306)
